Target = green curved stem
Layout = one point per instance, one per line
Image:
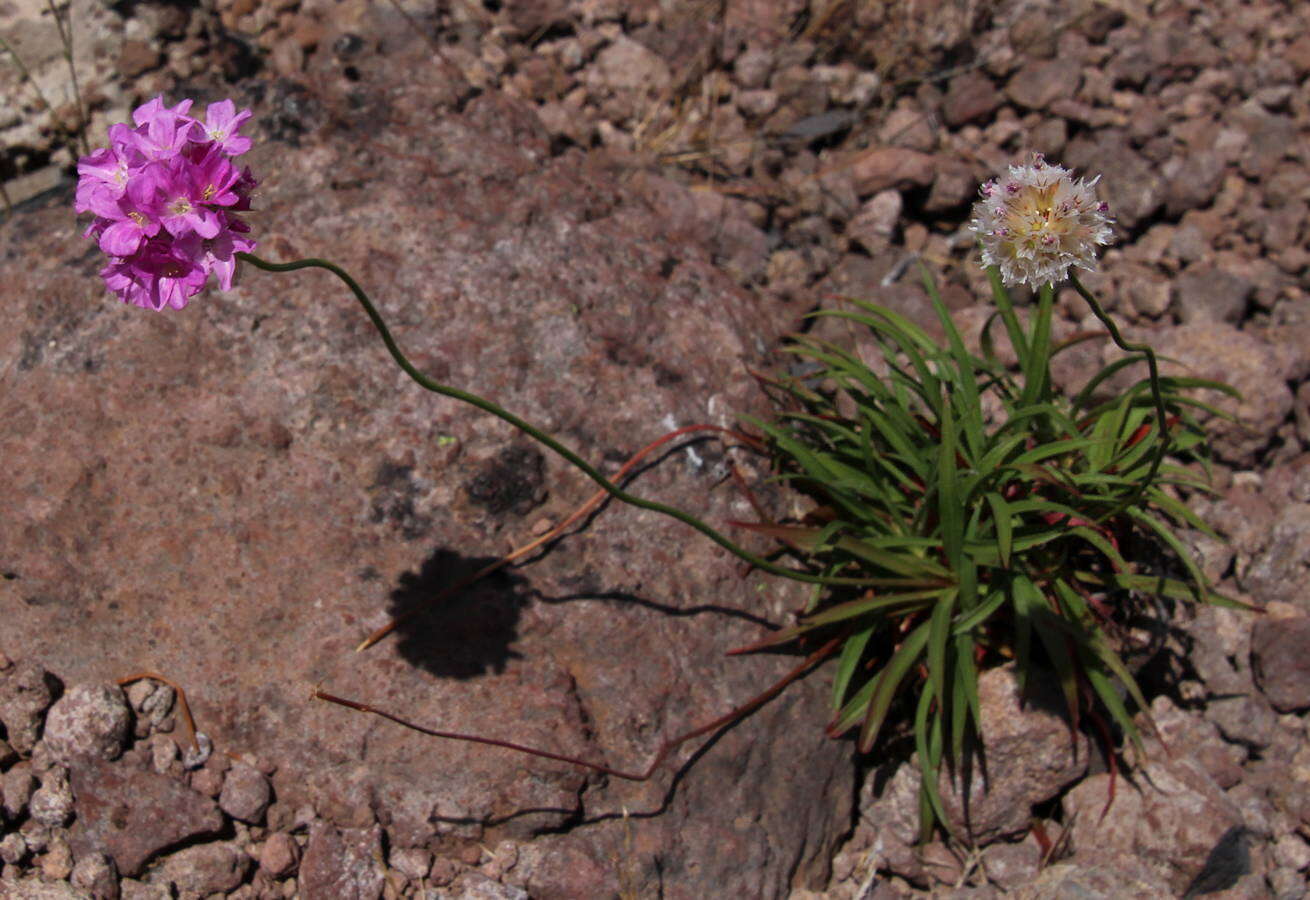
(1153, 367)
(536, 433)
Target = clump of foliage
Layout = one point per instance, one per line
(988, 516)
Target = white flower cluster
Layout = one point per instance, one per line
(1037, 221)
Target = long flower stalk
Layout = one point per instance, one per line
(1153, 368)
(532, 431)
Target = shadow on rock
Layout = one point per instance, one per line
(466, 634)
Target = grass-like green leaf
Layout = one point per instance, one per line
(975, 618)
(1002, 519)
(939, 632)
(889, 679)
(905, 601)
(1036, 366)
(1166, 534)
(927, 734)
(967, 707)
(852, 655)
(948, 498)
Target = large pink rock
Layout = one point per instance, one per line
(234, 494)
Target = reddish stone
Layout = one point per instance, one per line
(26, 691)
(1029, 755)
(90, 720)
(971, 97)
(344, 863)
(132, 814)
(246, 794)
(1278, 651)
(1039, 84)
(136, 58)
(207, 868)
(880, 168)
(280, 855)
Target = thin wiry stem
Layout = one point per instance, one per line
(66, 38)
(536, 433)
(662, 754)
(1153, 367)
(23, 71)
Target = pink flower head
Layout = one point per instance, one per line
(152, 109)
(185, 207)
(101, 172)
(165, 194)
(133, 217)
(163, 274)
(220, 255)
(221, 124)
(218, 181)
(163, 133)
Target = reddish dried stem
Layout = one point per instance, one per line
(182, 705)
(665, 749)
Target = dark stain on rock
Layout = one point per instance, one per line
(665, 377)
(347, 45)
(236, 56)
(31, 355)
(509, 482)
(293, 111)
(393, 500)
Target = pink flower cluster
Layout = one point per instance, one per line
(164, 194)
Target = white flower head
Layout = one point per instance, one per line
(1037, 221)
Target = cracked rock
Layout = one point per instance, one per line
(1280, 663)
(279, 855)
(95, 874)
(18, 786)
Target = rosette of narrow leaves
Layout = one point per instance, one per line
(1014, 534)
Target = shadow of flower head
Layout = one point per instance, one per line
(466, 634)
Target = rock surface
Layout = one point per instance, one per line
(134, 814)
(1279, 660)
(26, 692)
(571, 205)
(1171, 818)
(207, 868)
(264, 528)
(245, 795)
